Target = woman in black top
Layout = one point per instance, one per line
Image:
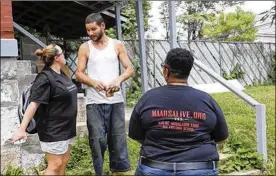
(177, 125)
(55, 107)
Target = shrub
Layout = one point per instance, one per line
(235, 73)
(134, 91)
(272, 70)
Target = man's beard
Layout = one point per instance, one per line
(99, 37)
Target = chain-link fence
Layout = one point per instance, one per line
(248, 62)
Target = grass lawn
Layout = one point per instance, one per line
(241, 121)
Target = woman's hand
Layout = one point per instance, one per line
(19, 135)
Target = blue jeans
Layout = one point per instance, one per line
(143, 170)
(106, 128)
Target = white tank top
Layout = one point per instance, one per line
(103, 65)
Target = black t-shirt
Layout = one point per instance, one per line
(56, 115)
(178, 124)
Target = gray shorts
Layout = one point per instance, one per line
(56, 148)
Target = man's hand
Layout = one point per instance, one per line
(114, 86)
(99, 85)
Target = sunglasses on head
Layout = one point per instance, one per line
(60, 53)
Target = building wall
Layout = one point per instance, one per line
(6, 20)
(266, 30)
(10, 154)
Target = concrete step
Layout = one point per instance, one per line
(81, 129)
(249, 172)
(32, 157)
(10, 155)
(24, 81)
(81, 116)
(128, 112)
(25, 67)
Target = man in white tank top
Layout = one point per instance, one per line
(104, 100)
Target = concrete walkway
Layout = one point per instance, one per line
(128, 111)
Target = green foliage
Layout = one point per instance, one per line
(134, 91)
(33, 31)
(192, 23)
(129, 28)
(10, 170)
(272, 70)
(111, 32)
(243, 158)
(133, 151)
(72, 46)
(241, 143)
(80, 158)
(235, 73)
(193, 15)
(234, 26)
(133, 95)
(242, 121)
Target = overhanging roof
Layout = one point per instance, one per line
(63, 18)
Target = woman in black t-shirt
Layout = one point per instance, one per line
(177, 125)
(53, 101)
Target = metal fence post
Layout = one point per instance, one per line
(172, 20)
(220, 62)
(154, 64)
(142, 45)
(119, 37)
(271, 53)
(261, 130)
